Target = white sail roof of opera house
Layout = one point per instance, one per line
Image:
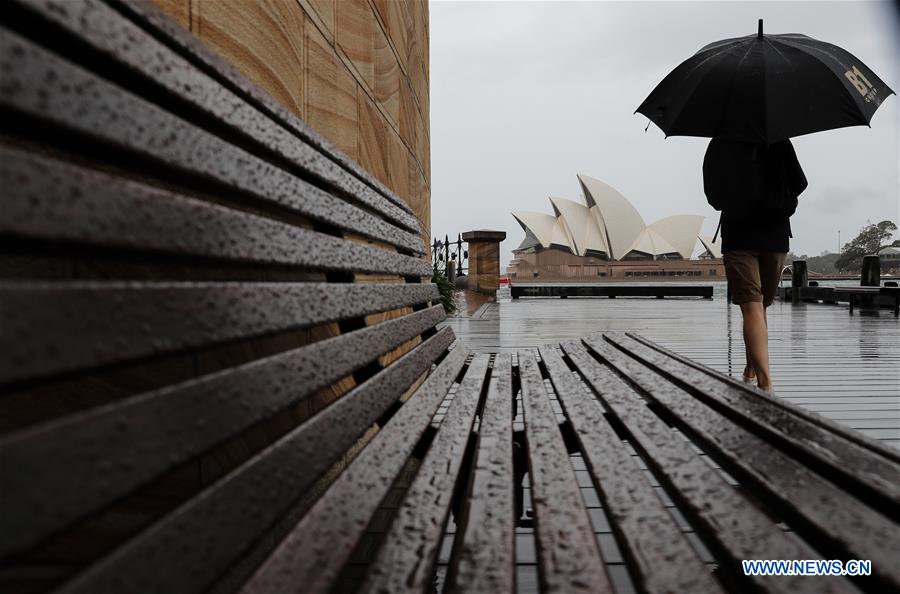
(607, 224)
(541, 227)
(713, 247)
(614, 214)
(584, 235)
(680, 231)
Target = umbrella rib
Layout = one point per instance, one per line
(812, 50)
(799, 43)
(765, 84)
(783, 56)
(702, 78)
(694, 67)
(731, 86)
(775, 48)
(721, 51)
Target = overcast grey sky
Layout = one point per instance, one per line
(524, 95)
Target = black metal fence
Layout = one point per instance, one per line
(446, 251)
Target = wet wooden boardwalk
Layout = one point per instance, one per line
(844, 367)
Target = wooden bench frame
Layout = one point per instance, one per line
(202, 392)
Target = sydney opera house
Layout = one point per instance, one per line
(606, 237)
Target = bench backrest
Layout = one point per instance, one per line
(205, 305)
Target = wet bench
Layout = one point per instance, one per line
(870, 296)
(223, 370)
(878, 296)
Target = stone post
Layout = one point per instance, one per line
(871, 272)
(484, 260)
(798, 279)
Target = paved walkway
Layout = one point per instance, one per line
(844, 367)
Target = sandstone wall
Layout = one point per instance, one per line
(355, 70)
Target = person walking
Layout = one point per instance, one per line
(756, 187)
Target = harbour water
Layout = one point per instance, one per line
(719, 287)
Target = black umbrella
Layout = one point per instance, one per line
(765, 88)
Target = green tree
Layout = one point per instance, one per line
(821, 264)
(870, 240)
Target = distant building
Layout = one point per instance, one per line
(607, 237)
(889, 259)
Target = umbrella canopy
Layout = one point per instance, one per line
(765, 88)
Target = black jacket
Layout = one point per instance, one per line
(756, 188)
(741, 177)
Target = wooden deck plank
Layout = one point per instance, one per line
(405, 561)
(726, 517)
(569, 560)
(485, 552)
(235, 511)
(105, 211)
(843, 526)
(160, 428)
(807, 390)
(834, 450)
(46, 325)
(334, 525)
(819, 355)
(655, 546)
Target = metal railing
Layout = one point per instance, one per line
(443, 252)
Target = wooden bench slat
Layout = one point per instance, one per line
(655, 546)
(135, 151)
(337, 521)
(749, 408)
(124, 42)
(48, 87)
(405, 561)
(740, 529)
(485, 549)
(111, 450)
(331, 165)
(840, 520)
(568, 555)
(104, 211)
(799, 413)
(197, 542)
(46, 325)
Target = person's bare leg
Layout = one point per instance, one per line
(756, 341)
(749, 372)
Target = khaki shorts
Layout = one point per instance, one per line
(753, 275)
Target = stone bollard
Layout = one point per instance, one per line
(451, 271)
(484, 260)
(871, 272)
(798, 279)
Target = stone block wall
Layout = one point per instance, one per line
(354, 70)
